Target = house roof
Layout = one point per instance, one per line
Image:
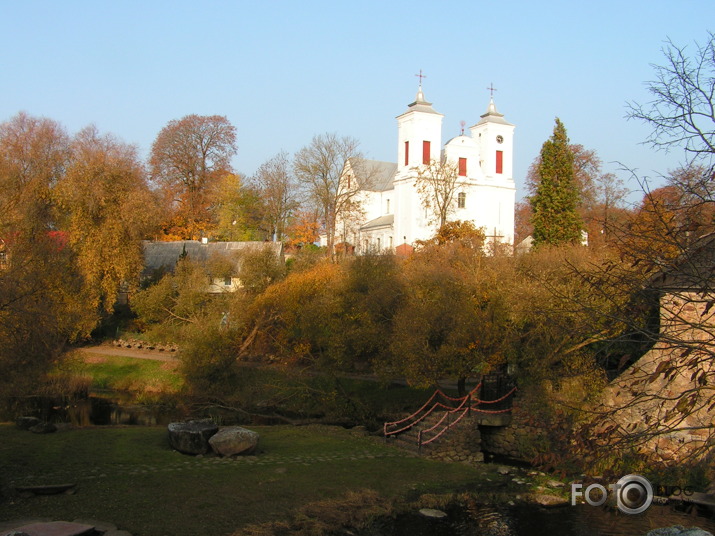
(692, 270)
(165, 255)
(382, 221)
(375, 175)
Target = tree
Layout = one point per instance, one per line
(332, 171)
(188, 158)
(107, 209)
(236, 210)
(41, 309)
(304, 229)
(34, 153)
(555, 202)
(278, 191)
(453, 320)
(600, 196)
(681, 113)
(437, 185)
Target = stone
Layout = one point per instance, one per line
(678, 530)
(101, 526)
(234, 440)
(503, 470)
(549, 501)
(432, 513)
(56, 528)
(191, 437)
(25, 423)
(43, 428)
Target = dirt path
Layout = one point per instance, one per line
(138, 353)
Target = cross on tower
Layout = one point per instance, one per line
(491, 89)
(421, 76)
(495, 237)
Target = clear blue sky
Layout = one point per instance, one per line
(284, 71)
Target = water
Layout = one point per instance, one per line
(531, 520)
(96, 410)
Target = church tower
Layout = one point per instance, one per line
(419, 134)
(495, 137)
(419, 141)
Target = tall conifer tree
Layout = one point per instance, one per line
(555, 216)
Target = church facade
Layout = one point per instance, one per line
(394, 208)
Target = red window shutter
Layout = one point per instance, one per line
(500, 162)
(407, 153)
(462, 167)
(425, 153)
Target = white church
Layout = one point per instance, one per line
(393, 215)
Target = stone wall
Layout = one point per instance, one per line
(644, 399)
(461, 444)
(515, 440)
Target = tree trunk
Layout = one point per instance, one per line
(461, 386)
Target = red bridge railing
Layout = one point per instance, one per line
(454, 410)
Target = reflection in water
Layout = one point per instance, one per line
(100, 411)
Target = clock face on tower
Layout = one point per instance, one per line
(500, 139)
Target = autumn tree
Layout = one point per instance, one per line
(437, 184)
(278, 190)
(324, 169)
(34, 153)
(41, 311)
(188, 158)
(236, 210)
(453, 320)
(555, 202)
(107, 209)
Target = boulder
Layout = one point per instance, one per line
(433, 513)
(234, 440)
(43, 428)
(548, 501)
(25, 423)
(191, 437)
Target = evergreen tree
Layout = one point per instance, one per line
(555, 202)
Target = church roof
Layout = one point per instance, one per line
(493, 116)
(374, 175)
(420, 104)
(382, 221)
(462, 140)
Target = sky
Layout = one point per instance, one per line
(285, 71)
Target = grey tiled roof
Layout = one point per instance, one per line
(382, 221)
(165, 255)
(374, 175)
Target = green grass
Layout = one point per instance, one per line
(129, 476)
(118, 373)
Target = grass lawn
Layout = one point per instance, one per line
(118, 373)
(129, 476)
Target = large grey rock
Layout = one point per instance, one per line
(234, 440)
(43, 428)
(679, 530)
(25, 423)
(191, 437)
